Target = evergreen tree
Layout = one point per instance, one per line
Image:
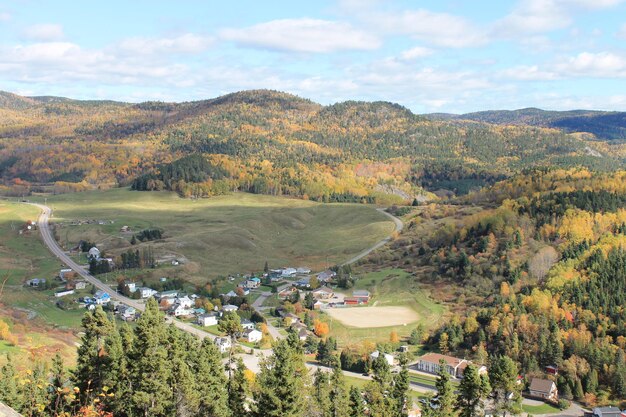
(357, 406)
(211, 381)
(378, 392)
(309, 301)
(238, 391)
(9, 388)
(89, 371)
(473, 390)
(281, 382)
(339, 395)
(321, 393)
(446, 398)
(59, 391)
(117, 369)
(151, 369)
(400, 392)
(503, 379)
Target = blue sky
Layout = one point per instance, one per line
(431, 56)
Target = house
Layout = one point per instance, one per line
(287, 293)
(304, 282)
(362, 295)
(285, 314)
(289, 272)
(125, 229)
(179, 310)
(101, 297)
(36, 282)
(317, 305)
(552, 370)
(252, 335)
(404, 348)
(229, 308)
(323, 293)
(80, 285)
(185, 301)
(247, 324)
(303, 270)
(145, 292)
(326, 275)
(94, 253)
(223, 344)
(607, 412)
(430, 363)
(132, 286)
(230, 294)
(389, 358)
(126, 312)
(168, 294)
(543, 389)
(63, 293)
(303, 333)
(253, 283)
(209, 319)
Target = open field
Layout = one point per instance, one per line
(226, 234)
(390, 288)
(40, 327)
(539, 409)
(368, 317)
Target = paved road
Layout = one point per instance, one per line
(399, 227)
(53, 246)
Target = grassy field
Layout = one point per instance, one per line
(222, 235)
(390, 287)
(41, 327)
(539, 409)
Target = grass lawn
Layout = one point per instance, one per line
(225, 234)
(540, 409)
(389, 287)
(32, 315)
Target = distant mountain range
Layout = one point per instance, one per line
(603, 125)
(272, 142)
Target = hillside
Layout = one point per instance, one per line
(271, 143)
(603, 125)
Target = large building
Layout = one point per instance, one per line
(430, 363)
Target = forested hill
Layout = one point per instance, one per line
(270, 142)
(603, 125)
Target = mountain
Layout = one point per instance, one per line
(603, 125)
(272, 142)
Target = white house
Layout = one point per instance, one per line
(389, 358)
(247, 324)
(209, 319)
(252, 335)
(132, 286)
(94, 253)
(63, 293)
(185, 301)
(145, 292)
(543, 389)
(35, 282)
(607, 412)
(223, 344)
(179, 310)
(253, 283)
(229, 308)
(101, 297)
(289, 272)
(303, 270)
(80, 285)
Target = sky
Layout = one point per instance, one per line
(453, 56)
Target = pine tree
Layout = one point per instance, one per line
(238, 391)
(88, 375)
(357, 406)
(59, 391)
(231, 325)
(117, 372)
(400, 392)
(282, 382)
(211, 381)
(321, 393)
(339, 400)
(446, 398)
(472, 392)
(9, 388)
(503, 379)
(377, 392)
(151, 369)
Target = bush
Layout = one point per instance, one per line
(563, 404)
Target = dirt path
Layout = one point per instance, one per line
(399, 227)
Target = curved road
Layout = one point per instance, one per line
(50, 242)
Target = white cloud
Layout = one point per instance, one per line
(440, 29)
(593, 65)
(303, 35)
(44, 32)
(187, 44)
(538, 16)
(415, 53)
(528, 73)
